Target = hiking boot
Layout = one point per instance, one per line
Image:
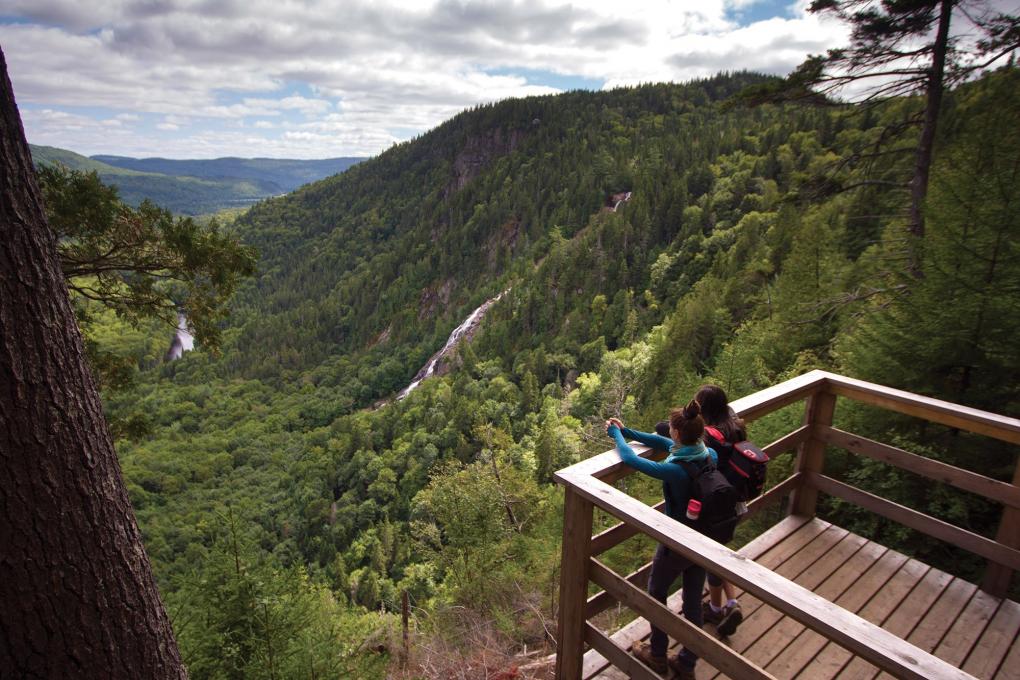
(732, 617)
(681, 670)
(710, 615)
(643, 652)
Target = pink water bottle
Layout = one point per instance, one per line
(693, 509)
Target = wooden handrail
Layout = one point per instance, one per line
(775, 494)
(992, 489)
(989, 424)
(863, 638)
(588, 485)
(600, 602)
(607, 466)
(926, 524)
(776, 397)
(788, 442)
(681, 630)
(621, 658)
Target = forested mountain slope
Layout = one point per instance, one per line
(405, 245)
(742, 257)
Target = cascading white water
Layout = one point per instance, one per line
(183, 340)
(624, 199)
(451, 343)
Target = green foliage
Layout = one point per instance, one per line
(141, 263)
(950, 333)
(474, 521)
(238, 616)
(721, 268)
(958, 320)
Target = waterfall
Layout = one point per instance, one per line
(621, 198)
(183, 340)
(469, 325)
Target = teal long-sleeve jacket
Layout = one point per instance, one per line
(675, 480)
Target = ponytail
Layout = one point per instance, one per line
(687, 421)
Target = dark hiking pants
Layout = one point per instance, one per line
(666, 567)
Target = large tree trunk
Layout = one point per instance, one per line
(926, 141)
(77, 595)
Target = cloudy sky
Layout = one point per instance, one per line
(323, 78)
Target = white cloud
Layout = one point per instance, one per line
(350, 71)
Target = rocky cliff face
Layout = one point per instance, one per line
(478, 152)
(434, 298)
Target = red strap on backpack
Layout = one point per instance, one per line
(717, 433)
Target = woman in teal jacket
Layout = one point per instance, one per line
(686, 429)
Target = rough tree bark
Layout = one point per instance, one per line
(77, 595)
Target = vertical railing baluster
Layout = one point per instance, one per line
(577, 524)
(997, 577)
(811, 454)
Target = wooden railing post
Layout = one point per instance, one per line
(997, 576)
(577, 524)
(811, 455)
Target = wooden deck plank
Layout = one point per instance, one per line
(828, 662)
(804, 564)
(902, 621)
(783, 550)
(793, 531)
(928, 608)
(872, 580)
(776, 636)
(613, 673)
(931, 629)
(793, 564)
(967, 628)
(781, 542)
(994, 644)
(778, 533)
(1009, 669)
(848, 569)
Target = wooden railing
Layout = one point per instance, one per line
(588, 484)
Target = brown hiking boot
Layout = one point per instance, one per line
(681, 670)
(710, 615)
(732, 617)
(643, 652)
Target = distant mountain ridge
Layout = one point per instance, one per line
(193, 186)
(288, 174)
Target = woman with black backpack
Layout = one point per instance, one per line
(723, 429)
(686, 452)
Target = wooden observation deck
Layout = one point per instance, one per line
(818, 601)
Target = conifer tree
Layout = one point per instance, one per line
(144, 262)
(960, 321)
(901, 48)
(77, 594)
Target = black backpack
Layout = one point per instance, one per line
(718, 516)
(742, 463)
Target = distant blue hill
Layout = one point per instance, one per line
(288, 174)
(195, 187)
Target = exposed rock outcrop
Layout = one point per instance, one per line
(478, 152)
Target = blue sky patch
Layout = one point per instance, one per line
(760, 11)
(548, 78)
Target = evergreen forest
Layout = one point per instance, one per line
(288, 500)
